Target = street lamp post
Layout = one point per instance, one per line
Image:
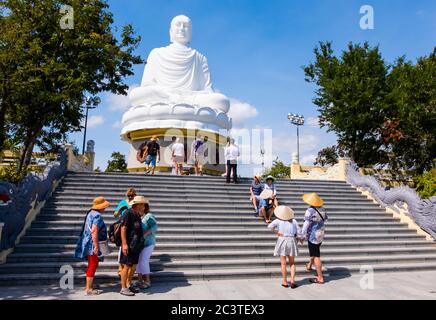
(297, 120)
(91, 103)
(262, 154)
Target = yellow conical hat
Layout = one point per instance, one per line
(313, 200)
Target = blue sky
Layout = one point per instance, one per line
(256, 50)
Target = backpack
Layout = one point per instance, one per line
(198, 144)
(140, 153)
(114, 233)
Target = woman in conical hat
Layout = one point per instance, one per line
(287, 230)
(314, 230)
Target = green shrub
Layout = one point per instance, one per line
(426, 184)
(9, 173)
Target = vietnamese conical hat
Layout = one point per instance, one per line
(266, 194)
(313, 200)
(284, 213)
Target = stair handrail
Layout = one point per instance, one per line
(19, 200)
(400, 199)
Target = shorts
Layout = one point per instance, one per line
(199, 159)
(264, 203)
(179, 159)
(129, 260)
(150, 160)
(314, 249)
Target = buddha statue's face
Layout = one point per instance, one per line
(181, 30)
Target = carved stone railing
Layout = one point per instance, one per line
(20, 204)
(400, 199)
(81, 163)
(336, 172)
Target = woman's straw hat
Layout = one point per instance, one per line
(284, 213)
(258, 176)
(139, 200)
(313, 200)
(100, 203)
(266, 194)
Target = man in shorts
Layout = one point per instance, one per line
(153, 155)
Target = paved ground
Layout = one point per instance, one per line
(416, 285)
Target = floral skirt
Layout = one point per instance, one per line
(286, 246)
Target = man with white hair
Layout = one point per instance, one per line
(231, 153)
(178, 155)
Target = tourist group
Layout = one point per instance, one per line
(135, 228)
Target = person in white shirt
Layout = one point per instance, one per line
(231, 154)
(288, 232)
(178, 154)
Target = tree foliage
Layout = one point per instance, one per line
(278, 170)
(47, 71)
(426, 183)
(381, 113)
(350, 96)
(117, 163)
(327, 157)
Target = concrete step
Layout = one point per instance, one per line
(215, 230)
(72, 239)
(164, 256)
(242, 195)
(219, 209)
(197, 275)
(142, 178)
(145, 189)
(200, 247)
(164, 223)
(246, 218)
(196, 264)
(215, 203)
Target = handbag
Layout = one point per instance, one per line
(104, 247)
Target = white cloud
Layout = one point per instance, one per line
(117, 124)
(308, 159)
(240, 112)
(313, 122)
(94, 121)
(117, 102)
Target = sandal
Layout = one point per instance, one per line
(93, 292)
(294, 286)
(285, 285)
(308, 269)
(315, 280)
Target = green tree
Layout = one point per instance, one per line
(47, 71)
(410, 125)
(278, 170)
(327, 156)
(117, 163)
(350, 96)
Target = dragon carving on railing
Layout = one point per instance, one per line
(17, 201)
(422, 211)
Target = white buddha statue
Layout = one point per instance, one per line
(176, 89)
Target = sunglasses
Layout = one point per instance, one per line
(131, 196)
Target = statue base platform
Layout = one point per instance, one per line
(214, 161)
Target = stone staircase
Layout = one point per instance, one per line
(207, 231)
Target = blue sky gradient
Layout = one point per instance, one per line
(256, 50)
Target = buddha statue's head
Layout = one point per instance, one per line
(181, 30)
